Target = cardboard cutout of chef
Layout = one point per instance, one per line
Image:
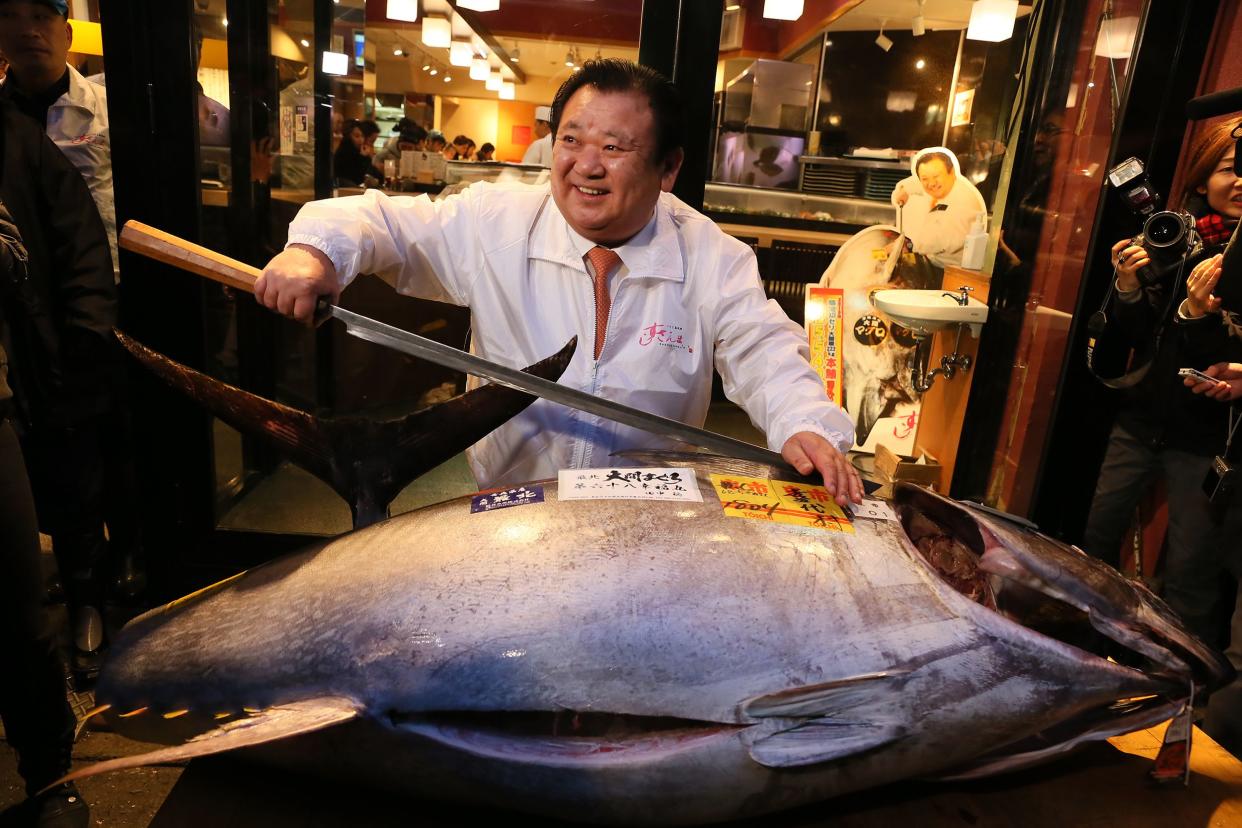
(936, 206)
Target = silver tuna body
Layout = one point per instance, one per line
(635, 662)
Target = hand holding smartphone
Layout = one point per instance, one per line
(1196, 375)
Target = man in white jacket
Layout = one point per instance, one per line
(35, 35)
(654, 291)
(540, 150)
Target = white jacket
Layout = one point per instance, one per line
(686, 295)
(539, 152)
(78, 124)
(939, 233)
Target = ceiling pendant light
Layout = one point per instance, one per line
(460, 53)
(992, 20)
(782, 9)
(917, 25)
(569, 56)
(479, 5)
(492, 84)
(438, 32)
(882, 40)
(406, 10)
(516, 54)
(508, 91)
(479, 70)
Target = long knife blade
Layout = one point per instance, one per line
(169, 249)
(450, 357)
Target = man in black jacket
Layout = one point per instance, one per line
(59, 305)
(74, 415)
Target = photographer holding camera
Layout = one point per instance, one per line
(1163, 431)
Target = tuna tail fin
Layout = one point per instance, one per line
(366, 462)
(851, 715)
(268, 725)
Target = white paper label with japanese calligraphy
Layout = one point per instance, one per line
(873, 509)
(628, 484)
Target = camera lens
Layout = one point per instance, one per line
(1164, 229)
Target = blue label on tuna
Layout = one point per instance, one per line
(492, 501)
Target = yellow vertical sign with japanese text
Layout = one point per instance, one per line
(779, 501)
(825, 327)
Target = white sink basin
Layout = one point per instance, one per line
(927, 311)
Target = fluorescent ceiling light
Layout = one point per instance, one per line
(901, 101)
(460, 53)
(479, 70)
(992, 20)
(438, 32)
(479, 5)
(406, 10)
(782, 9)
(1116, 40)
(508, 91)
(493, 82)
(335, 63)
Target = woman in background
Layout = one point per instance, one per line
(1163, 432)
(350, 165)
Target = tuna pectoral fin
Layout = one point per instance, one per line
(829, 698)
(823, 740)
(847, 716)
(268, 725)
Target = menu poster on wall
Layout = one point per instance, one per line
(963, 103)
(301, 124)
(824, 329)
(877, 355)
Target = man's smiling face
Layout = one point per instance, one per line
(606, 171)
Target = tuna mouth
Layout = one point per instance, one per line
(1056, 591)
(563, 737)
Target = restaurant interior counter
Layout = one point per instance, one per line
(762, 207)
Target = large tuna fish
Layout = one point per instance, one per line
(635, 662)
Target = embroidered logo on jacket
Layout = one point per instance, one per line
(670, 336)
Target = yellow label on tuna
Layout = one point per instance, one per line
(780, 502)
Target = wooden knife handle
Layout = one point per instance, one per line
(167, 248)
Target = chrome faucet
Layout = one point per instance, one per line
(962, 297)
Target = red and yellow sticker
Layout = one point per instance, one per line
(779, 501)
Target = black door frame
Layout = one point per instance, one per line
(1173, 37)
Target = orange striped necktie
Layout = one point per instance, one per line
(603, 262)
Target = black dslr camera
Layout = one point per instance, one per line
(1168, 236)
